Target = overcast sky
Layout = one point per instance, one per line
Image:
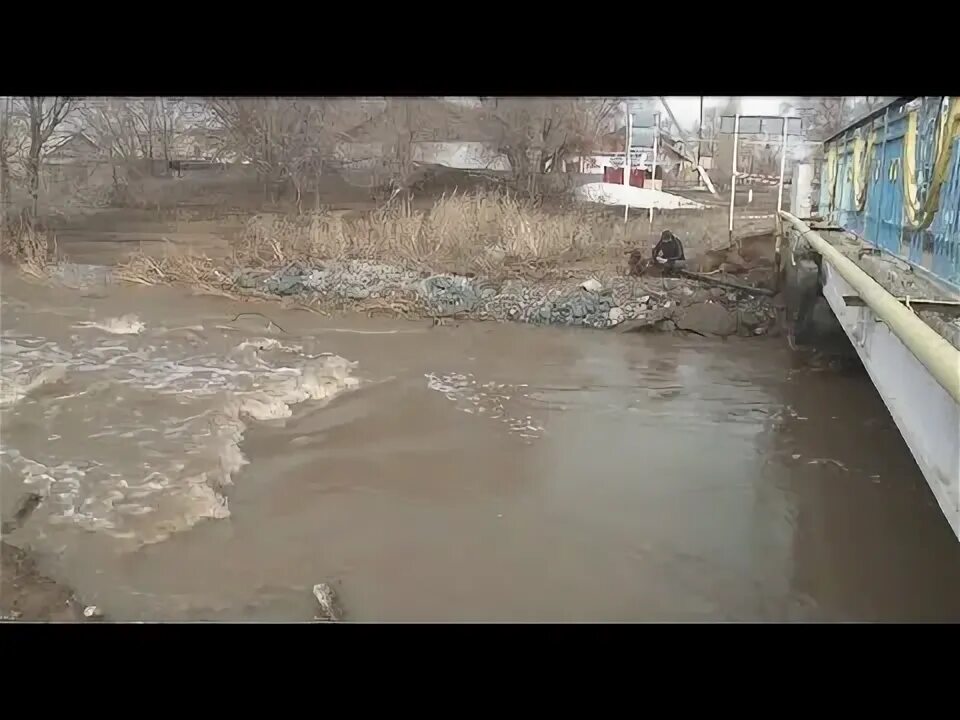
(686, 108)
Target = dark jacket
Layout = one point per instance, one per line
(669, 248)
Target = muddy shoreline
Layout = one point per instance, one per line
(26, 595)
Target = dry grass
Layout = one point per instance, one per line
(176, 267)
(462, 232)
(25, 246)
(483, 232)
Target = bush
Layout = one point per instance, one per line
(464, 232)
(26, 246)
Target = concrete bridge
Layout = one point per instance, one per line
(879, 270)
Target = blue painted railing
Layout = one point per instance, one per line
(882, 220)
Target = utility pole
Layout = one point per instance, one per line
(733, 171)
(626, 159)
(783, 165)
(673, 119)
(656, 149)
(700, 132)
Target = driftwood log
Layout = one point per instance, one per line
(724, 283)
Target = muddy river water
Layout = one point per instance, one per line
(199, 467)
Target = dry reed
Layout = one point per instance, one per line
(466, 232)
(175, 267)
(26, 246)
(481, 232)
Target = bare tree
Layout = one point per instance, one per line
(131, 129)
(875, 102)
(110, 123)
(173, 115)
(826, 116)
(285, 139)
(44, 116)
(535, 135)
(13, 139)
(392, 135)
(589, 120)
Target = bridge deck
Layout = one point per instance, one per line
(922, 291)
(926, 414)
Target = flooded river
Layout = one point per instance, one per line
(197, 466)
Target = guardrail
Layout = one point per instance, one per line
(936, 354)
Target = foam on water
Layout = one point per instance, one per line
(124, 325)
(487, 399)
(145, 433)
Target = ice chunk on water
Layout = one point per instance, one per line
(128, 324)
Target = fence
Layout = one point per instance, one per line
(882, 174)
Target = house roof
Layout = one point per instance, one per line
(75, 138)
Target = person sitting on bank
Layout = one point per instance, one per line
(669, 251)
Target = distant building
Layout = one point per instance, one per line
(438, 132)
(672, 161)
(202, 145)
(73, 158)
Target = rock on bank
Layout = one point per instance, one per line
(583, 302)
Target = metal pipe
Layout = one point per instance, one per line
(733, 171)
(936, 354)
(700, 132)
(656, 149)
(783, 166)
(626, 159)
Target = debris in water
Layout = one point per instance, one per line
(828, 461)
(13, 390)
(329, 609)
(92, 611)
(24, 509)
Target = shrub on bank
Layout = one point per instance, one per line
(26, 246)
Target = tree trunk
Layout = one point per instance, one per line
(520, 169)
(33, 179)
(33, 159)
(150, 140)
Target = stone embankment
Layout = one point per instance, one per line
(626, 303)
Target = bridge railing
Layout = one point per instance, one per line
(882, 173)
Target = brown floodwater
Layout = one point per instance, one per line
(206, 468)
